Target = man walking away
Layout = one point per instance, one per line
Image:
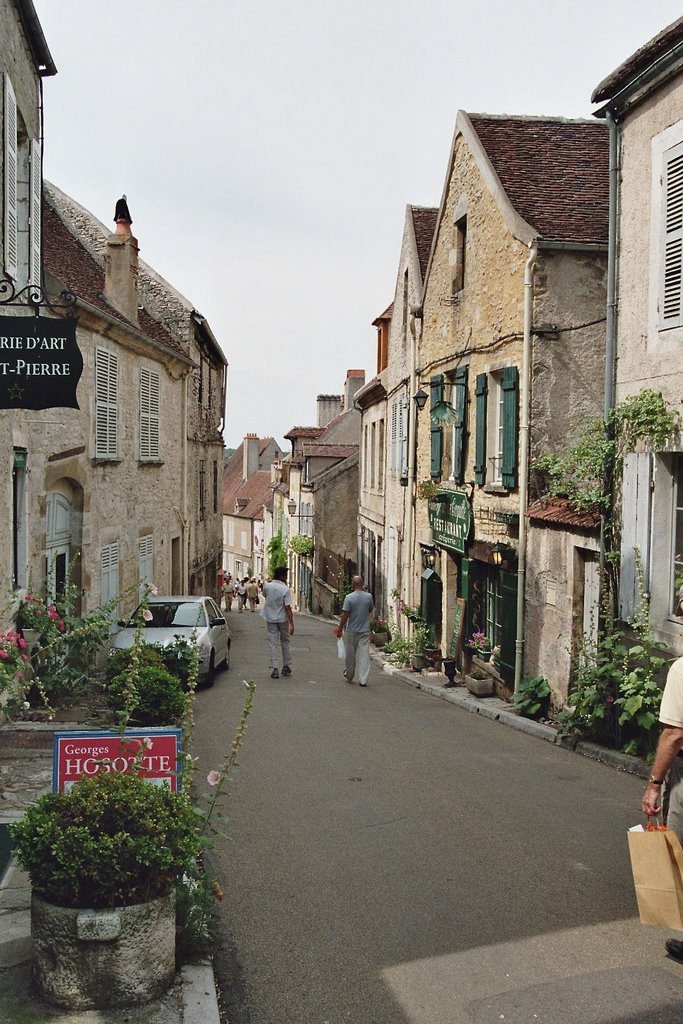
(277, 611)
(252, 594)
(356, 614)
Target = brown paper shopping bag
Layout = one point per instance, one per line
(657, 866)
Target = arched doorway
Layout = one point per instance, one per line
(63, 535)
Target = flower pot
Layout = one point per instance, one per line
(85, 959)
(380, 638)
(479, 687)
(417, 662)
(449, 670)
(484, 655)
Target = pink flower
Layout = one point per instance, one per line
(214, 777)
(147, 615)
(3, 653)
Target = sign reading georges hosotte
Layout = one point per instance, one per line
(78, 755)
(40, 362)
(451, 520)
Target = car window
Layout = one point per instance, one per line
(189, 613)
(213, 610)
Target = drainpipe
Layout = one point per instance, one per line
(408, 553)
(524, 459)
(610, 330)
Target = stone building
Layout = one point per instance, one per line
(247, 490)
(642, 101)
(24, 61)
(510, 350)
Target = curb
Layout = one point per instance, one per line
(200, 1004)
(499, 711)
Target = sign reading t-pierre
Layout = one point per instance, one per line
(40, 362)
(154, 753)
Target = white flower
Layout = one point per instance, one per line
(154, 590)
(26, 705)
(214, 777)
(147, 743)
(147, 615)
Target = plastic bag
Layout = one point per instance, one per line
(341, 649)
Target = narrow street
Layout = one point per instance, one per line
(395, 860)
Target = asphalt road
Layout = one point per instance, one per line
(395, 860)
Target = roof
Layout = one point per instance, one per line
(386, 315)
(233, 475)
(40, 51)
(554, 172)
(639, 61)
(561, 512)
(329, 451)
(66, 258)
(253, 493)
(424, 226)
(305, 431)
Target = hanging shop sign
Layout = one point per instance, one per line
(450, 518)
(154, 753)
(40, 362)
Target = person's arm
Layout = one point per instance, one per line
(342, 622)
(290, 617)
(670, 742)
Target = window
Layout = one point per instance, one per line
(146, 561)
(380, 454)
(493, 605)
(496, 427)
(202, 489)
(109, 575)
(215, 487)
(677, 559)
(22, 175)
(373, 455)
(19, 553)
(436, 430)
(150, 386)
(459, 249)
(459, 402)
(671, 282)
(106, 404)
(231, 532)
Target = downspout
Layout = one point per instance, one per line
(524, 459)
(185, 559)
(415, 315)
(610, 330)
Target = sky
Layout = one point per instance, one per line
(268, 150)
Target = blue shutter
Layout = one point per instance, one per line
(510, 385)
(436, 389)
(481, 390)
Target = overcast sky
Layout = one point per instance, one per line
(268, 150)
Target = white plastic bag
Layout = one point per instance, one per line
(341, 649)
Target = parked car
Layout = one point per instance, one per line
(185, 616)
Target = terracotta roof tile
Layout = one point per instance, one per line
(386, 315)
(561, 512)
(251, 495)
(329, 451)
(639, 61)
(304, 432)
(424, 225)
(554, 172)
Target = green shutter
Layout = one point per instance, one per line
(436, 396)
(460, 406)
(481, 390)
(510, 385)
(508, 637)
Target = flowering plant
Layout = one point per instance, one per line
(13, 661)
(35, 613)
(379, 626)
(479, 642)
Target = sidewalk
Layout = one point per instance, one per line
(25, 773)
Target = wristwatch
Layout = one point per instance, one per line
(655, 782)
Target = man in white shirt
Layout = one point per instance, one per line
(277, 612)
(356, 613)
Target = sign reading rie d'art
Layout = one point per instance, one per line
(154, 753)
(40, 362)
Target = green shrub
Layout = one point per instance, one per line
(112, 840)
(158, 699)
(178, 657)
(119, 661)
(533, 697)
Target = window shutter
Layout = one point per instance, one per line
(11, 224)
(635, 531)
(106, 404)
(481, 390)
(508, 636)
(510, 385)
(150, 385)
(460, 406)
(109, 574)
(671, 287)
(35, 213)
(394, 435)
(146, 561)
(404, 436)
(436, 396)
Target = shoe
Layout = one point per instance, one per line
(275, 674)
(286, 670)
(362, 684)
(674, 948)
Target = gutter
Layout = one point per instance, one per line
(415, 315)
(626, 97)
(45, 65)
(524, 432)
(610, 330)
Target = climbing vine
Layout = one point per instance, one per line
(301, 545)
(277, 556)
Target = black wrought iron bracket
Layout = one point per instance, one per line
(36, 298)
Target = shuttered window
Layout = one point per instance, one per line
(150, 387)
(35, 204)
(394, 436)
(671, 285)
(10, 224)
(509, 384)
(459, 403)
(436, 430)
(403, 420)
(635, 530)
(109, 575)
(106, 404)
(146, 561)
(481, 390)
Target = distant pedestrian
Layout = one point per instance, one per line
(252, 594)
(241, 591)
(228, 592)
(277, 612)
(356, 614)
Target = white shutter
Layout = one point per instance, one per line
(671, 289)
(109, 574)
(635, 532)
(146, 561)
(11, 225)
(35, 211)
(404, 436)
(394, 435)
(150, 387)
(106, 404)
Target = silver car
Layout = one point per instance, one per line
(187, 617)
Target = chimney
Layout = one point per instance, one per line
(121, 265)
(250, 455)
(355, 379)
(329, 406)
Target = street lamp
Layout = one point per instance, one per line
(291, 506)
(420, 398)
(502, 553)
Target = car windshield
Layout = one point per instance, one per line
(167, 614)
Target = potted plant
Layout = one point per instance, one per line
(418, 646)
(479, 683)
(379, 632)
(480, 645)
(104, 859)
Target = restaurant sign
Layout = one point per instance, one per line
(40, 362)
(154, 753)
(450, 518)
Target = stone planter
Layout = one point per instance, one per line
(380, 638)
(85, 959)
(417, 662)
(479, 687)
